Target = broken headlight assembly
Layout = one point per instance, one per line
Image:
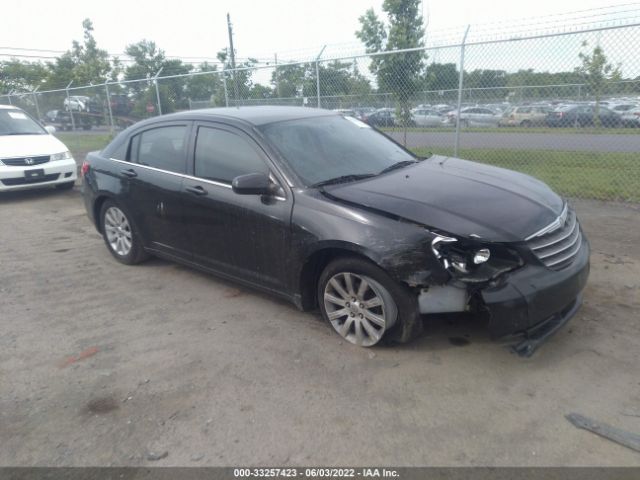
(472, 261)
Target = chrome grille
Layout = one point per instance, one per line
(557, 245)
(25, 161)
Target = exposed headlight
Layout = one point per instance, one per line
(61, 156)
(471, 261)
(481, 256)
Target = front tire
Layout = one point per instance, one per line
(120, 235)
(360, 301)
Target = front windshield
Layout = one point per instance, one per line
(323, 148)
(16, 122)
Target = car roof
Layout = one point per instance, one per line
(9, 107)
(255, 115)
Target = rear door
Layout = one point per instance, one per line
(154, 175)
(246, 236)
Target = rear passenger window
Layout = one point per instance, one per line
(120, 153)
(161, 147)
(222, 156)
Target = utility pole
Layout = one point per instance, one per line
(233, 58)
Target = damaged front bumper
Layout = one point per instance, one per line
(534, 301)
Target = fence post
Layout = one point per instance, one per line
(226, 92)
(158, 90)
(35, 100)
(106, 88)
(275, 58)
(318, 74)
(9, 97)
(456, 145)
(73, 122)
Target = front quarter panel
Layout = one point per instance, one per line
(401, 248)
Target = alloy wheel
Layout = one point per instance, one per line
(359, 308)
(118, 231)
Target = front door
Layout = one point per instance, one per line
(245, 236)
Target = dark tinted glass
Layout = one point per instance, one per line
(162, 148)
(322, 148)
(120, 153)
(222, 156)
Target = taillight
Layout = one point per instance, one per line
(84, 169)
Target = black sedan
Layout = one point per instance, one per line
(326, 212)
(582, 116)
(381, 118)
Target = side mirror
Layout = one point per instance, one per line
(253, 184)
(50, 129)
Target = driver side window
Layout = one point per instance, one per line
(221, 156)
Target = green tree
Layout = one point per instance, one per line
(85, 63)
(597, 72)
(207, 87)
(441, 76)
(398, 73)
(240, 77)
(148, 60)
(289, 80)
(21, 76)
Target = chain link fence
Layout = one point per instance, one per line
(563, 107)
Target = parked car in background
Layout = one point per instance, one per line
(385, 117)
(363, 112)
(582, 116)
(426, 117)
(326, 212)
(631, 118)
(476, 117)
(51, 116)
(525, 116)
(82, 103)
(620, 108)
(30, 156)
(345, 111)
(121, 104)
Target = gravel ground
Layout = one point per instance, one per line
(103, 364)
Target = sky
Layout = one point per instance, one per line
(294, 29)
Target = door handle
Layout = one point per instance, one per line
(197, 190)
(129, 172)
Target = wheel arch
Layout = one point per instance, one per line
(316, 261)
(97, 207)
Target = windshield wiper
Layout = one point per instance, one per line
(397, 165)
(343, 179)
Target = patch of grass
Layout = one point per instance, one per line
(599, 175)
(81, 144)
(561, 130)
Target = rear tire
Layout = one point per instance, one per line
(363, 303)
(120, 235)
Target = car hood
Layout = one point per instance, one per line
(29, 145)
(458, 197)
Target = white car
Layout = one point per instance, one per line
(631, 118)
(476, 117)
(76, 103)
(30, 156)
(427, 117)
